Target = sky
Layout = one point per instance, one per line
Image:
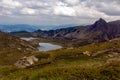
(57, 12)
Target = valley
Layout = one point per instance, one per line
(59, 39)
(77, 53)
(77, 63)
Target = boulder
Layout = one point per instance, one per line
(26, 61)
(87, 53)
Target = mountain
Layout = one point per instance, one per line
(61, 26)
(22, 33)
(115, 28)
(101, 24)
(100, 31)
(16, 28)
(12, 48)
(98, 61)
(31, 28)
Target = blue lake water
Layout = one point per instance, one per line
(43, 46)
(48, 47)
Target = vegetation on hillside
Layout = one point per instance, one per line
(12, 48)
(71, 64)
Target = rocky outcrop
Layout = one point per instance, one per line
(87, 53)
(26, 61)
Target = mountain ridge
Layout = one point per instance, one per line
(99, 31)
(99, 28)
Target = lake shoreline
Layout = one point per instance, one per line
(43, 46)
(48, 46)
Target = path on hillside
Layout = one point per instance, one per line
(72, 56)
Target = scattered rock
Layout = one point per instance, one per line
(110, 55)
(26, 61)
(116, 53)
(87, 53)
(19, 49)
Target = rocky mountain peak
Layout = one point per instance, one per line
(100, 24)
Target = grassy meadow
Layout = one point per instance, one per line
(70, 64)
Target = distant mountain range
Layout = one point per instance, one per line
(97, 32)
(15, 28)
(31, 28)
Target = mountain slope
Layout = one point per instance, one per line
(12, 48)
(114, 28)
(99, 31)
(72, 64)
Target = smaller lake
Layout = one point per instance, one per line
(43, 46)
(27, 39)
(48, 47)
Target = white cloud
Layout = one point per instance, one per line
(109, 7)
(85, 12)
(59, 3)
(72, 2)
(10, 3)
(57, 10)
(80, 11)
(28, 11)
(64, 10)
(5, 12)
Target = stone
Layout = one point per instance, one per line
(86, 53)
(19, 48)
(26, 61)
(110, 56)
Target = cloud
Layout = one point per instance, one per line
(6, 12)
(56, 11)
(28, 11)
(85, 12)
(10, 3)
(109, 7)
(64, 10)
(72, 2)
(79, 10)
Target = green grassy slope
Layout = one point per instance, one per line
(12, 48)
(71, 64)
